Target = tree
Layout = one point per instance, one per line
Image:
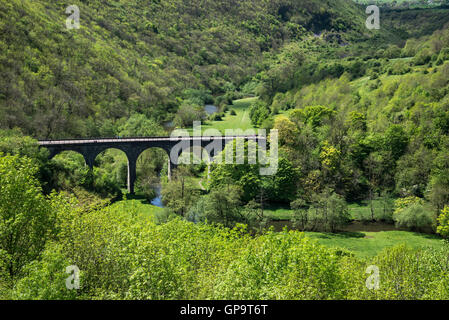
(328, 212)
(416, 217)
(179, 193)
(373, 167)
(315, 115)
(301, 214)
(187, 114)
(439, 181)
(221, 205)
(396, 141)
(282, 186)
(288, 131)
(138, 125)
(443, 222)
(26, 220)
(259, 112)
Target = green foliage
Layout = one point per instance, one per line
(280, 187)
(138, 125)
(314, 115)
(328, 212)
(415, 217)
(179, 194)
(123, 254)
(443, 222)
(45, 279)
(219, 206)
(166, 52)
(187, 114)
(282, 266)
(26, 219)
(258, 112)
(360, 115)
(403, 203)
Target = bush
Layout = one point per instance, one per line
(443, 56)
(415, 217)
(233, 113)
(268, 124)
(26, 220)
(122, 254)
(406, 274)
(443, 222)
(423, 57)
(46, 279)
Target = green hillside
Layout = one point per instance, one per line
(140, 56)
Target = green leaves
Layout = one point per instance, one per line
(26, 219)
(443, 222)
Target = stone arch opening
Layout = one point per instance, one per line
(69, 169)
(152, 166)
(112, 168)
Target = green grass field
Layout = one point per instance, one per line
(136, 206)
(278, 212)
(369, 244)
(240, 121)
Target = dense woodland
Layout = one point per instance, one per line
(362, 115)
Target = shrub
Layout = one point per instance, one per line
(443, 222)
(46, 279)
(403, 203)
(415, 217)
(26, 220)
(443, 56)
(423, 57)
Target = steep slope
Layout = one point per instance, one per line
(140, 55)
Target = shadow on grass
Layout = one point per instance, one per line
(343, 235)
(427, 235)
(138, 197)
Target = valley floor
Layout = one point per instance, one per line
(362, 243)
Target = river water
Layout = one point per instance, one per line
(210, 109)
(157, 201)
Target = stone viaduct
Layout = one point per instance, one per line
(133, 147)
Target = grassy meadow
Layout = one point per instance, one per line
(240, 120)
(369, 244)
